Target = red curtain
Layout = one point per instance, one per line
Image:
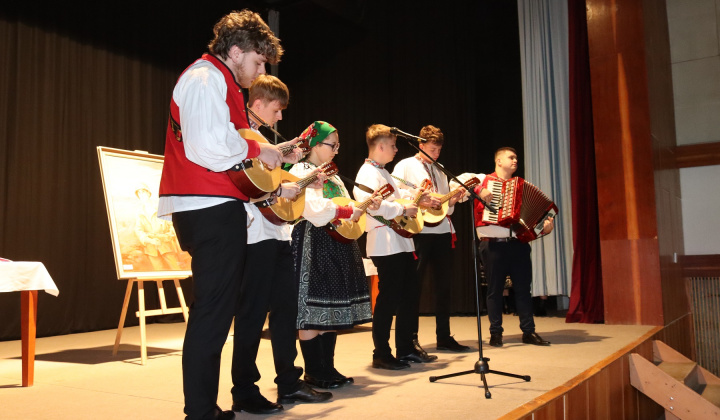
(586, 293)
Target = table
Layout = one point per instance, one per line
(27, 278)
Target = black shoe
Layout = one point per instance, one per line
(449, 343)
(330, 383)
(226, 415)
(221, 415)
(390, 364)
(416, 343)
(418, 357)
(341, 379)
(422, 355)
(304, 394)
(345, 380)
(534, 338)
(496, 340)
(256, 405)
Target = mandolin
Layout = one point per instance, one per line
(433, 216)
(282, 210)
(405, 226)
(345, 230)
(252, 176)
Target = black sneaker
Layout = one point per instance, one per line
(496, 340)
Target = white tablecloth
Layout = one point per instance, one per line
(24, 275)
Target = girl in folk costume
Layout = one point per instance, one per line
(333, 292)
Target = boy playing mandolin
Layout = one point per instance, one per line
(434, 245)
(268, 284)
(392, 254)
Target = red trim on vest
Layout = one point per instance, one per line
(180, 176)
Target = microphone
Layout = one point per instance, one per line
(396, 131)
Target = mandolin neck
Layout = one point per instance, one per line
(449, 195)
(286, 149)
(365, 204)
(306, 181)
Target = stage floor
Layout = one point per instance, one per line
(76, 376)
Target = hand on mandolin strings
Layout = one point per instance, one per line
(410, 210)
(428, 200)
(270, 155)
(356, 213)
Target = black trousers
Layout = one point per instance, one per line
(434, 252)
(216, 238)
(268, 285)
(398, 294)
(502, 259)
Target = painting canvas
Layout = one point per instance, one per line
(144, 246)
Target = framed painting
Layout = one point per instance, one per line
(145, 246)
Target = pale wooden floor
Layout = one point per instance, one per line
(76, 377)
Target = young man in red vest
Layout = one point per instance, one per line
(206, 111)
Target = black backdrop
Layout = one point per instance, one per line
(455, 65)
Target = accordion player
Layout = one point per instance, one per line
(522, 207)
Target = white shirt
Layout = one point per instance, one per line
(318, 210)
(413, 170)
(209, 137)
(259, 228)
(381, 239)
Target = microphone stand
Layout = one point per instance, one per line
(482, 367)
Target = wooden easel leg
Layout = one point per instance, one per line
(28, 308)
(141, 315)
(123, 312)
(181, 298)
(161, 295)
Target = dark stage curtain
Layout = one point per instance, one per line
(407, 64)
(59, 100)
(64, 92)
(586, 295)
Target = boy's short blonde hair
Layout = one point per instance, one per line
(377, 132)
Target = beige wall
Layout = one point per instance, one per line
(694, 27)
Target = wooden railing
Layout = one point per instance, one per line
(700, 265)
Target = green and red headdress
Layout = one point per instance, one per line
(317, 132)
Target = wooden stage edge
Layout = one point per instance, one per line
(526, 410)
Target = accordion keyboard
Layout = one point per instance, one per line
(496, 188)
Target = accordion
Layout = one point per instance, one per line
(522, 207)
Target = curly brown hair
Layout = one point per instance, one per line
(269, 88)
(247, 31)
(375, 132)
(432, 134)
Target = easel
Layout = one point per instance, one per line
(142, 313)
